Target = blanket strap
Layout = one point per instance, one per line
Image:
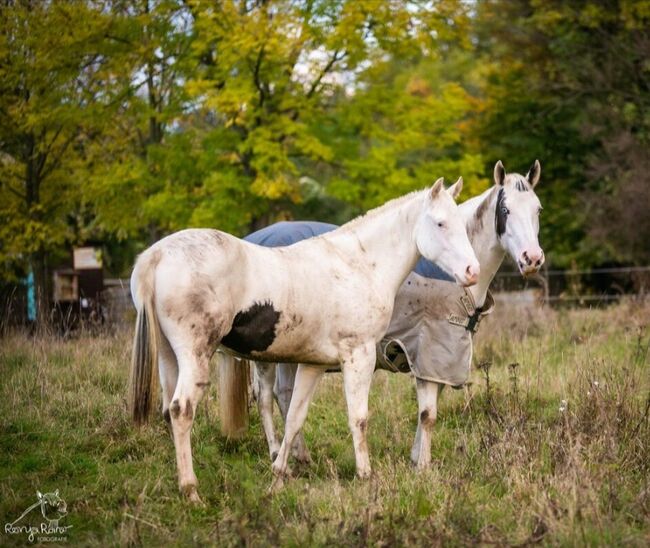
(474, 315)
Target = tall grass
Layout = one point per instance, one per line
(549, 444)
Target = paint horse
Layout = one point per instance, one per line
(433, 321)
(322, 302)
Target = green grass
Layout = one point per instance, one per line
(508, 466)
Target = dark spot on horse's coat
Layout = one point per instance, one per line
(175, 409)
(477, 222)
(217, 237)
(521, 185)
(482, 208)
(427, 418)
(253, 330)
(189, 412)
(363, 425)
(501, 216)
(166, 416)
(195, 302)
(193, 325)
(203, 384)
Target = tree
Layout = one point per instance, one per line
(51, 61)
(272, 73)
(567, 82)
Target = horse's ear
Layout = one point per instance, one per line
(533, 173)
(499, 173)
(456, 188)
(436, 188)
(39, 495)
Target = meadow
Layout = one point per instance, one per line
(550, 444)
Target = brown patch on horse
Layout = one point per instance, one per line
(189, 412)
(175, 409)
(427, 418)
(476, 223)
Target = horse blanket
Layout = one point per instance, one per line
(430, 332)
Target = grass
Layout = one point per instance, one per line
(513, 463)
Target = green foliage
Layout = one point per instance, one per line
(123, 121)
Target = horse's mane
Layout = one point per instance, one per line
(377, 211)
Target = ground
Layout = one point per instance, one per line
(550, 445)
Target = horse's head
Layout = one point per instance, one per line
(517, 216)
(53, 507)
(441, 237)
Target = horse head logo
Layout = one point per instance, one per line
(53, 507)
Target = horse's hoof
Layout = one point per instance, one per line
(303, 458)
(276, 485)
(364, 474)
(192, 495)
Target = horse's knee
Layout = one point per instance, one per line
(181, 409)
(428, 418)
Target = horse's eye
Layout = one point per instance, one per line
(539, 210)
(505, 210)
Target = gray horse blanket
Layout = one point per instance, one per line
(430, 332)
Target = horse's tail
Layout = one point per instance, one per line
(143, 385)
(233, 395)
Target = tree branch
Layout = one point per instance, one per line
(6, 185)
(335, 59)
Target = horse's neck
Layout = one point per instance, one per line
(384, 239)
(478, 214)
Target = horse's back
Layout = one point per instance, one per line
(287, 233)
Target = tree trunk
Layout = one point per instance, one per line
(38, 259)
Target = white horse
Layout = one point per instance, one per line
(503, 220)
(324, 301)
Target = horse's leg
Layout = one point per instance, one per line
(427, 412)
(168, 371)
(265, 376)
(307, 378)
(193, 378)
(284, 381)
(357, 377)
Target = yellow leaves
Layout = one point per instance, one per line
(635, 13)
(275, 187)
(418, 86)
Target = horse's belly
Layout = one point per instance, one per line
(264, 333)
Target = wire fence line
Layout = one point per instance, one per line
(611, 270)
(574, 286)
(554, 287)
